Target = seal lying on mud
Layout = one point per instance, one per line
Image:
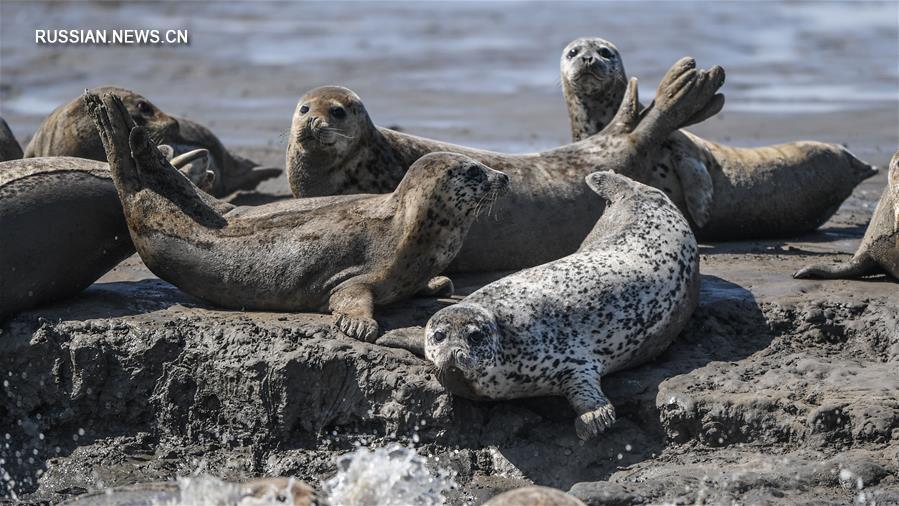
(61, 226)
(728, 193)
(232, 172)
(70, 131)
(343, 254)
(9, 146)
(879, 250)
(335, 148)
(555, 329)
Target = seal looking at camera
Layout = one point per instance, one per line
(728, 193)
(335, 148)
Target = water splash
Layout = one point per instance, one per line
(391, 476)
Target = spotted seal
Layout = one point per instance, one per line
(341, 254)
(61, 226)
(70, 131)
(728, 193)
(879, 250)
(334, 148)
(9, 146)
(557, 328)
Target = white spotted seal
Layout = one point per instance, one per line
(334, 148)
(340, 254)
(728, 193)
(879, 250)
(70, 131)
(9, 146)
(61, 226)
(557, 328)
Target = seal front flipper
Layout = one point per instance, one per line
(440, 286)
(698, 189)
(353, 307)
(595, 411)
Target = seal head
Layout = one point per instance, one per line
(463, 341)
(329, 123)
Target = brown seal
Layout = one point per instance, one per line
(70, 131)
(9, 146)
(340, 254)
(61, 226)
(728, 193)
(334, 148)
(879, 250)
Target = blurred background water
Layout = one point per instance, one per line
(484, 73)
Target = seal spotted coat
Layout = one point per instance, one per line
(341, 254)
(728, 193)
(557, 328)
(334, 148)
(879, 250)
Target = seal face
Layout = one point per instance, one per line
(557, 328)
(727, 193)
(879, 249)
(342, 254)
(70, 131)
(335, 148)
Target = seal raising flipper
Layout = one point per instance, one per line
(61, 226)
(557, 328)
(879, 250)
(9, 146)
(335, 148)
(729, 193)
(342, 254)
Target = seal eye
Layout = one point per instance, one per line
(144, 108)
(572, 53)
(338, 112)
(438, 336)
(475, 337)
(304, 109)
(606, 53)
(474, 172)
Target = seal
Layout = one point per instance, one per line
(534, 496)
(9, 146)
(728, 193)
(879, 250)
(62, 227)
(232, 172)
(557, 328)
(335, 148)
(342, 254)
(70, 131)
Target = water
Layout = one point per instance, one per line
(451, 70)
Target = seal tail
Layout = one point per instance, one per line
(859, 266)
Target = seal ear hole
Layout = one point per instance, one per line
(606, 53)
(144, 108)
(572, 53)
(475, 337)
(338, 112)
(438, 336)
(304, 109)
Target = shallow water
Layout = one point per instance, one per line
(445, 68)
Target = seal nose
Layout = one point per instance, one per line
(588, 59)
(459, 357)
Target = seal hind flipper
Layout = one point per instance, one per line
(714, 107)
(699, 190)
(629, 112)
(860, 265)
